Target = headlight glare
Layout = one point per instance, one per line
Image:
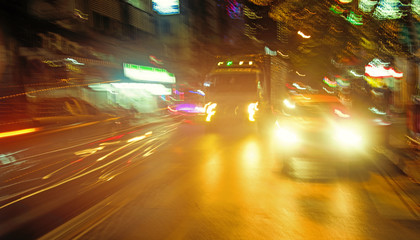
(286, 135)
(289, 104)
(348, 137)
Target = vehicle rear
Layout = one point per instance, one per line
(231, 96)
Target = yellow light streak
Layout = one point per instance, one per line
(135, 139)
(303, 35)
(18, 132)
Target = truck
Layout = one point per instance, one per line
(244, 88)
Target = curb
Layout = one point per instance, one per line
(407, 164)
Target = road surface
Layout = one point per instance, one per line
(178, 181)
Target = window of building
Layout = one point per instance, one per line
(101, 22)
(97, 23)
(106, 22)
(166, 27)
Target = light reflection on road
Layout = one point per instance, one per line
(206, 185)
(70, 166)
(211, 171)
(242, 180)
(226, 186)
(251, 154)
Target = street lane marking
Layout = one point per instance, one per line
(73, 178)
(83, 174)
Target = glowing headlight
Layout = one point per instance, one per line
(289, 104)
(252, 109)
(286, 135)
(209, 108)
(348, 137)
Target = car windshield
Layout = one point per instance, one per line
(316, 110)
(246, 82)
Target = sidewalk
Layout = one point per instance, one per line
(399, 152)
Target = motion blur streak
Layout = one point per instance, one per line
(18, 132)
(118, 168)
(89, 151)
(135, 139)
(288, 103)
(341, 114)
(105, 176)
(150, 150)
(303, 35)
(76, 176)
(116, 150)
(148, 133)
(49, 175)
(109, 169)
(108, 139)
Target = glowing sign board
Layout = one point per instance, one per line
(166, 7)
(381, 72)
(121, 88)
(152, 88)
(148, 74)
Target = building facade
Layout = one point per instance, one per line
(62, 46)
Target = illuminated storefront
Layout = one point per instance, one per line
(140, 88)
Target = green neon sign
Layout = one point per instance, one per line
(149, 74)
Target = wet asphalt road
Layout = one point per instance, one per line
(178, 181)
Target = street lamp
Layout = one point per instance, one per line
(303, 35)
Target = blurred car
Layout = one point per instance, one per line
(318, 127)
(376, 124)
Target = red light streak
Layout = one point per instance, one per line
(78, 160)
(108, 139)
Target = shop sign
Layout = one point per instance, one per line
(166, 7)
(147, 74)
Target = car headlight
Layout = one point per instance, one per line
(286, 135)
(348, 137)
(289, 104)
